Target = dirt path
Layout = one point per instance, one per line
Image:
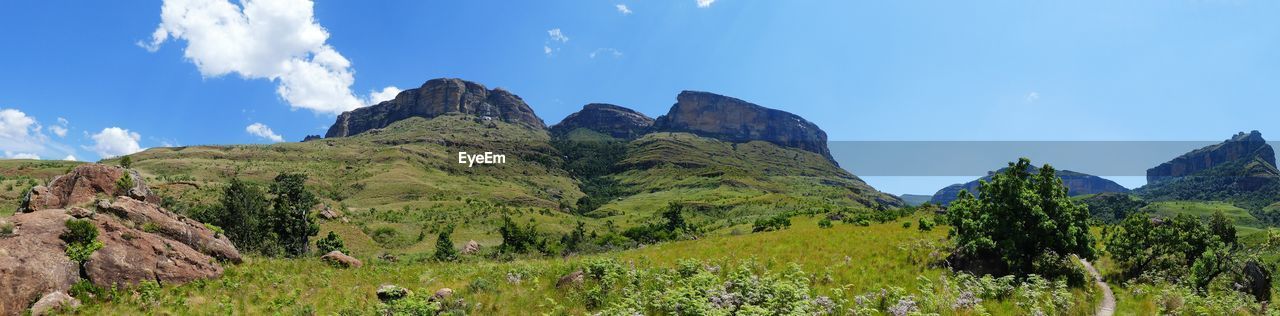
(1108, 305)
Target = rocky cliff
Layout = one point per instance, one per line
(613, 120)
(1240, 146)
(434, 98)
(730, 119)
(1076, 183)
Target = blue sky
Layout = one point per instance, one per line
(862, 70)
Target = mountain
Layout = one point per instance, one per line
(615, 121)
(1240, 171)
(730, 119)
(1241, 146)
(1077, 184)
(915, 199)
(438, 97)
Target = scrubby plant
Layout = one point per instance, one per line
(81, 238)
(126, 161)
(825, 223)
(329, 243)
(6, 228)
(444, 246)
(772, 223)
(124, 184)
(926, 224)
(517, 239)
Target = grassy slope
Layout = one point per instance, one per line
(855, 259)
(16, 176)
(1245, 222)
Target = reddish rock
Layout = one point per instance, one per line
(1240, 146)
(173, 226)
(442, 294)
(730, 119)
(572, 279)
(340, 259)
(54, 302)
(130, 256)
(471, 248)
(83, 185)
(33, 262)
(612, 120)
(329, 213)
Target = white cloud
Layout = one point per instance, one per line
(115, 141)
(20, 133)
(546, 50)
(609, 51)
(386, 94)
(71, 158)
(622, 8)
(13, 155)
(261, 130)
(61, 128)
(705, 3)
(277, 40)
(1033, 96)
(557, 35)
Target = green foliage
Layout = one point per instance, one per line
(216, 230)
(517, 239)
(672, 226)
(772, 223)
(926, 223)
(1221, 226)
(126, 161)
(330, 243)
(825, 223)
(290, 218)
(1180, 250)
(124, 184)
(575, 240)
(6, 228)
(591, 160)
(243, 207)
(81, 238)
(444, 246)
(1019, 217)
(1113, 207)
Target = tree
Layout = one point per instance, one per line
(516, 239)
(126, 162)
(329, 243)
(1019, 217)
(242, 207)
(1222, 227)
(291, 219)
(444, 246)
(572, 241)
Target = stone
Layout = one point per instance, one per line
(434, 98)
(612, 120)
(572, 279)
(442, 294)
(311, 138)
(340, 259)
(471, 248)
(130, 256)
(390, 292)
(1257, 281)
(734, 120)
(83, 186)
(53, 302)
(34, 262)
(329, 213)
(174, 227)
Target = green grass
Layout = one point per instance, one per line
(845, 259)
(16, 176)
(1245, 222)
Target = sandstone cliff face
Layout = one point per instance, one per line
(141, 240)
(613, 120)
(729, 119)
(1076, 183)
(434, 98)
(1240, 146)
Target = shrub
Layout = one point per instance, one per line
(241, 212)
(81, 238)
(385, 236)
(124, 184)
(126, 162)
(6, 228)
(824, 223)
(330, 243)
(776, 222)
(926, 224)
(906, 225)
(290, 217)
(517, 239)
(444, 246)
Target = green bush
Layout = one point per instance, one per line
(6, 228)
(124, 184)
(290, 217)
(772, 223)
(126, 162)
(444, 246)
(926, 224)
(81, 238)
(330, 243)
(825, 223)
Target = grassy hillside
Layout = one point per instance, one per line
(844, 264)
(16, 176)
(1244, 221)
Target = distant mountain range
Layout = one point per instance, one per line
(1077, 184)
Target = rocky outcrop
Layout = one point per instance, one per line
(140, 240)
(438, 97)
(729, 119)
(612, 120)
(1076, 183)
(53, 303)
(1240, 146)
(337, 258)
(85, 184)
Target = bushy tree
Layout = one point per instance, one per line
(126, 162)
(1222, 227)
(573, 241)
(330, 242)
(243, 206)
(1018, 217)
(1180, 249)
(291, 219)
(444, 246)
(517, 239)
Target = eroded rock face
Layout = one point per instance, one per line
(612, 120)
(437, 97)
(1241, 146)
(168, 225)
(53, 302)
(130, 256)
(729, 119)
(85, 184)
(34, 262)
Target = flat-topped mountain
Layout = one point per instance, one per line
(609, 119)
(1077, 184)
(730, 119)
(1240, 146)
(437, 97)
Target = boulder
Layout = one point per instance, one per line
(33, 262)
(174, 227)
(612, 120)
(131, 255)
(340, 259)
(442, 294)
(733, 120)
(572, 279)
(391, 292)
(85, 184)
(53, 302)
(1257, 281)
(471, 248)
(434, 98)
(329, 213)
